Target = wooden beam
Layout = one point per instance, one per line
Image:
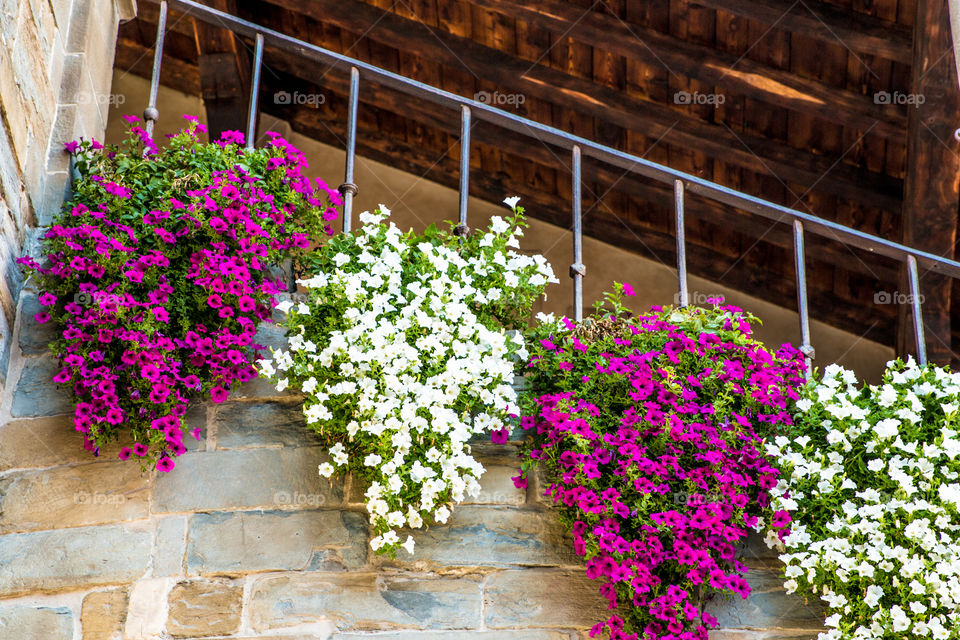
(829, 23)
(700, 210)
(728, 73)
(674, 128)
(224, 74)
(133, 57)
(932, 186)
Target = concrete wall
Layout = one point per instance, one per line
(56, 60)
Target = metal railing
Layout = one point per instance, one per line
(683, 183)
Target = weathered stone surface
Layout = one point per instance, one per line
(246, 479)
(170, 547)
(262, 424)
(556, 598)
(506, 634)
(496, 487)
(494, 537)
(95, 493)
(39, 622)
(72, 558)
(275, 541)
(200, 608)
(769, 605)
(365, 601)
(104, 613)
(37, 394)
(35, 338)
(45, 442)
(269, 335)
(196, 418)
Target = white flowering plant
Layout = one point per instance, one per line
(871, 473)
(405, 347)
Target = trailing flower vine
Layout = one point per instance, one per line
(158, 271)
(873, 474)
(400, 346)
(648, 430)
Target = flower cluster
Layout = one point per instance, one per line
(648, 431)
(873, 473)
(158, 272)
(402, 352)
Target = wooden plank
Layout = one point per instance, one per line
(224, 74)
(932, 185)
(688, 51)
(543, 156)
(862, 33)
(587, 98)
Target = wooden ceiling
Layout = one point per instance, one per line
(785, 108)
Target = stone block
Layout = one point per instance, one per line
(73, 70)
(170, 547)
(557, 598)
(496, 487)
(96, 493)
(36, 622)
(61, 13)
(201, 608)
(56, 191)
(246, 479)
(262, 424)
(35, 338)
(769, 605)
(365, 601)
(491, 537)
(72, 558)
(79, 24)
(276, 541)
(45, 442)
(58, 159)
(196, 419)
(103, 614)
(37, 394)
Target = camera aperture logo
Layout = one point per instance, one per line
(685, 97)
(98, 498)
(297, 499)
(298, 98)
(499, 99)
(895, 297)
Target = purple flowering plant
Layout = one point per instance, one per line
(649, 434)
(159, 270)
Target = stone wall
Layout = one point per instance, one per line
(244, 540)
(56, 59)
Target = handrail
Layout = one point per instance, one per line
(579, 147)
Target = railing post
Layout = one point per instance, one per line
(917, 314)
(577, 269)
(150, 114)
(802, 307)
(462, 229)
(684, 296)
(254, 92)
(348, 189)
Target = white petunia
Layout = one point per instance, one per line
(511, 201)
